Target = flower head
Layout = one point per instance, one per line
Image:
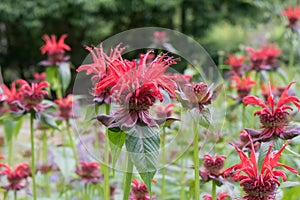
(38, 78)
(259, 184)
(65, 107)
(243, 85)
(221, 196)
(293, 15)
(17, 177)
(257, 58)
(271, 51)
(55, 49)
(89, 172)
(236, 62)
(10, 96)
(274, 119)
(139, 191)
(31, 96)
(213, 167)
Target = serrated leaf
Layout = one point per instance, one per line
(46, 120)
(142, 144)
(262, 154)
(65, 74)
(117, 140)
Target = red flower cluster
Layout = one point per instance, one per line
(242, 84)
(55, 49)
(258, 185)
(236, 62)
(293, 15)
(38, 78)
(26, 97)
(213, 167)
(221, 196)
(139, 191)
(65, 107)
(16, 178)
(89, 172)
(274, 119)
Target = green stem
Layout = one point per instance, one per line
(32, 154)
(10, 151)
(45, 148)
(5, 195)
(163, 154)
(292, 152)
(196, 162)
(291, 59)
(214, 190)
(106, 161)
(15, 195)
(243, 116)
(72, 143)
(127, 178)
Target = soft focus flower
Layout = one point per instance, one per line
(236, 62)
(257, 58)
(160, 37)
(271, 51)
(89, 172)
(65, 107)
(11, 97)
(221, 196)
(213, 168)
(17, 177)
(293, 15)
(242, 84)
(274, 119)
(258, 185)
(38, 78)
(244, 142)
(163, 111)
(139, 191)
(31, 96)
(55, 49)
(137, 90)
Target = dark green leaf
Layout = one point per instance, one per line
(47, 120)
(65, 74)
(117, 140)
(142, 143)
(262, 153)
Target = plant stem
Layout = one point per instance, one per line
(127, 178)
(243, 116)
(15, 195)
(72, 143)
(106, 161)
(163, 170)
(32, 154)
(10, 151)
(214, 190)
(196, 161)
(291, 59)
(5, 195)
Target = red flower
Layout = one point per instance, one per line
(55, 49)
(213, 167)
(10, 97)
(65, 107)
(221, 196)
(38, 78)
(258, 185)
(293, 15)
(163, 111)
(242, 84)
(236, 62)
(257, 58)
(274, 119)
(89, 172)
(139, 191)
(17, 178)
(31, 96)
(271, 51)
(137, 90)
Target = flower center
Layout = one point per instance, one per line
(260, 189)
(279, 118)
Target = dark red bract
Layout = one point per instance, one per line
(89, 172)
(139, 191)
(221, 196)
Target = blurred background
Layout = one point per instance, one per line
(221, 26)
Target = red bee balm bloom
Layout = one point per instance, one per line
(65, 107)
(31, 96)
(243, 85)
(10, 97)
(55, 49)
(221, 196)
(271, 53)
(89, 172)
(16, 178)
(257, 58)
(139, 191)
(236, 62)
(38, 78)
(274, 119)
(293, 14)
(213, 167)
(259, 185)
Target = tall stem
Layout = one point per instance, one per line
(196, 161)
(163, 170)
(72, 143)
(291, 59)
(214, 190)
(106, 161)
(32, 154)
(10, 151)
(15, 195)
(127, 178)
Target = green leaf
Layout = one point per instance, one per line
(47, 120)
(52, 78)
(205, 118)
(64, 159)
(65, 75)
(278, 143)
(117, 140)
(262, 154)
(142, 143)
(12, 127)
